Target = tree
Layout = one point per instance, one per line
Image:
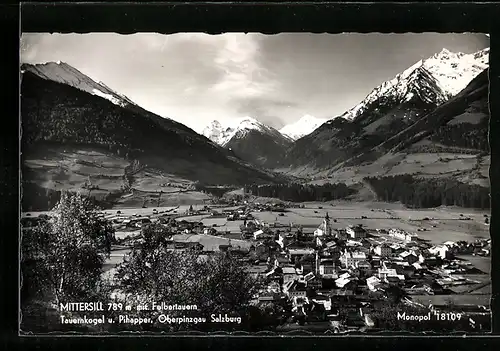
(66, 253)
(267, 316)
(159, 198)
(422, 192)
(216, 283)
(385, 316)
(394, 294)
(155, 234)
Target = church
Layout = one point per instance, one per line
(325, 228)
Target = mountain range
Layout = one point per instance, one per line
(433, 80)
(76, 129)
(222, 132)
(390, 108)
(449, 143)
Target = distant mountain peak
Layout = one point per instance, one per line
(214, 131)
(445, 52)
(249, 123)
(304, 126)
(222, 133)
(215, 123)
(435, 80)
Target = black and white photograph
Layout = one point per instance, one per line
(238, 183)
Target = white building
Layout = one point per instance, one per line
(319, 241)
(442, 251)
(341, 282)
(402, 235)
(282, 241)
(384, 272)
(326, 268)
(351, 259)
(373, 283)
(356, 232)
(289, 274)
(324, 300)
(260, 234)
(383, 250)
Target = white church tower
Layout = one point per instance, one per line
(327, 225)
(325, 229)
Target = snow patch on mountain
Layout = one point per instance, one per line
(445, 73)
(62, 72)
(304, 126)
(109, 97)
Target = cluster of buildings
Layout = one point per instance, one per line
(316, 273)
(333, 275)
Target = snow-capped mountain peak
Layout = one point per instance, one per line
(435, 79)
(453, 71)
(304, 126)
(62, 72)
(249, 123)
(222, 133)
(214, 131)
(445, 53)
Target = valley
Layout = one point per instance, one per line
(386, 205)
(445, 224)
(416, 124)
(434, 226)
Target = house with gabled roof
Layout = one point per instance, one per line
(373, 283)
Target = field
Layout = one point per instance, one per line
(462, 166)
(444, 224)
(70, 168)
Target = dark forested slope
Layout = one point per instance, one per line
(56, 113)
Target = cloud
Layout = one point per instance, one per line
(267, 110)
(195, 78)
(243, 77)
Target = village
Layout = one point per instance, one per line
(319, 275)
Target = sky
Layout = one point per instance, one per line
(195, 78)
